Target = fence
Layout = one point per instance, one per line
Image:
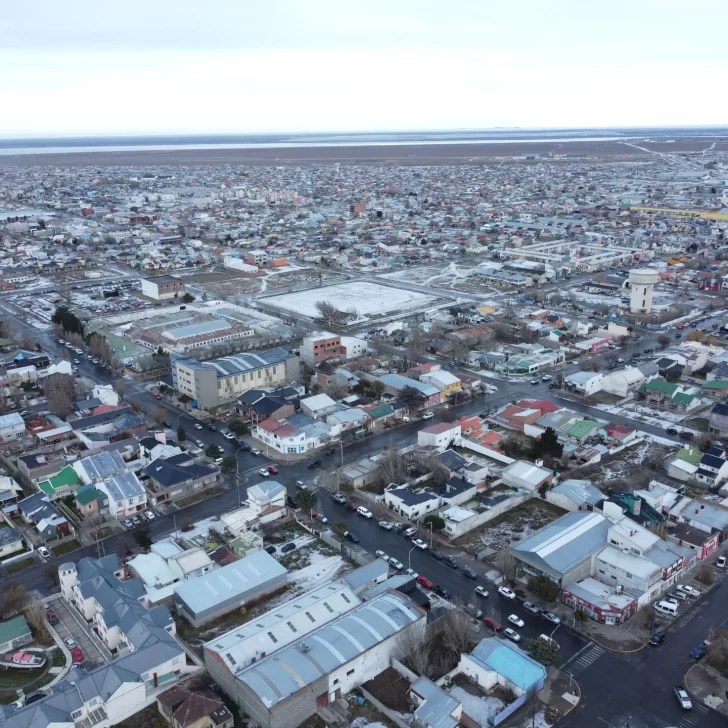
(404, 671)
(508, 710)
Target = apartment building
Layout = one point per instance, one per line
(320, 347)
(162, 288)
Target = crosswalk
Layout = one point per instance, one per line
(584, 660)
(693, 717)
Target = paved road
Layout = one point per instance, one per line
(635, 690)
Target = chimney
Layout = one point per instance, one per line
(156, 680)
(637, 506)
(539, 462)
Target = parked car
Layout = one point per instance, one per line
(441, 591)
(197, 426)
(467, 571)
(339, 498)
(77, 654)
(504, 591)
(428, 415)
(288, 547)
(699, 651)
(396, 563)
(44, 552)
(255, 451)
(435, 554)
(381, 555)
(481, 591)
(411, 573)
(657, 639)
(264, 472)
(301, 485)
(551, 617)
(450, 561)
(512, 634)
(409, 532)
(490, 622)
(720, 563)
(424, 581)
(314, 464)
(291, 503)
(671, 431)
(330, 451)
(228, 435)
(683, 698)
(156, 395)
(70, 643)
(531, 607)
(689, 590)
(546, 378)
(128, 523)
(419, 543)
(51, 616)
(319, 516)
(352, 537)
(535, 381)
(351, 505)
(365, 512)
(272, 469)
(386, 525)
(212, 428)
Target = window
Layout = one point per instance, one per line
(89, 507)
(293, 629)
(351, 672)
(628, 575)
(326, 604)
(336, 682)
(230, 657)
(308, 614)
(346, 599)
(76, 714)
(272, 637)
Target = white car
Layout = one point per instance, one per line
(428, 415)
(412, 573)
(720, 563)
(689, 590)
(382, 555)
(515, 619)
(396, 563)
(364, 512)
(512, 634)
(197, 426)
(504, 591)
(70, 643)
(44, 552)
(255, 451)
(386, 525)
(228, 435)
(683, 698)
(481, 591)
(150, 516)
(218, 461)
(263, 472)
(419, 543)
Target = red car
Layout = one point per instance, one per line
(496, 626)
(156, 395)
(77, 654)
(424, 581)
(272, 469)
(351, 505)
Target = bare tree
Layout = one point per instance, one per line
(12, 599)
(158, 415)
(505, 562)
(457, 630)
(391, 467)
(35, 614)
(119, 387)
(136, 405)
(59, 390)
(28, 341)
(416, 648)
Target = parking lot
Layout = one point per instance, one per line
(68, 626)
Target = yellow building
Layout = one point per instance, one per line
(690, 214)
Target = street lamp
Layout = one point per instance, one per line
(237, 472)
(429, 523)
(409, 557)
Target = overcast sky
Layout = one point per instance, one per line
(76, 67)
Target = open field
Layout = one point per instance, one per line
(458, 277)
(368, 299)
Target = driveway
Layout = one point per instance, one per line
(68, 626)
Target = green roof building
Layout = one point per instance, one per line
(62, 484)
(13, 633)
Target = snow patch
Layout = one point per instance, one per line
(479, 708)
(321, 570)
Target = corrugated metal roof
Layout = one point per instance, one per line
(287, 671)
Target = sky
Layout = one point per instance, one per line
(82, 68)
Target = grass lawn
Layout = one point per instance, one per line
(147, 718)
(698, 423)
(66, 547)
(19, 565)
(202, 495)
(4, 525)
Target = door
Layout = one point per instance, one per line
(322, 700)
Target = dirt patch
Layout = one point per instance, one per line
(147, 718)
(391, 689)
(509, 528)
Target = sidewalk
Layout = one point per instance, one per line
(707, 686)
(560, 692)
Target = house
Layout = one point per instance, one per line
(176, 477)
(10, 491)
(517, 418)
(575, 495)
(11, 542)
(231, 587)
(411, 504)
(297, 434)
(433, 707)
(564, 550)
(91, 502)
(602, 602)
(712, 468)
(166, 565)
(718, 424)
(291, 684)
(125, 493)
(395, 383)
(705, 515)
(672, 396)
(37, 510)
(256, 405)
(318, 406)
(622, 382)
(444, 381)
(593, 345)
(700, 542)
(586, 383)
(440, 435)
(61, 485)
(495, 661)
(194, 705)
(12, 427)
(14, 633)
(527, 476)
(157, 448)
(352, 347)
(268, 500)
(107, 427)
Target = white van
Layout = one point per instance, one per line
(666, 608)
(364, 512)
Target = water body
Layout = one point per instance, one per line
(15, 147)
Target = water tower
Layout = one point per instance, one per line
(642, 283)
